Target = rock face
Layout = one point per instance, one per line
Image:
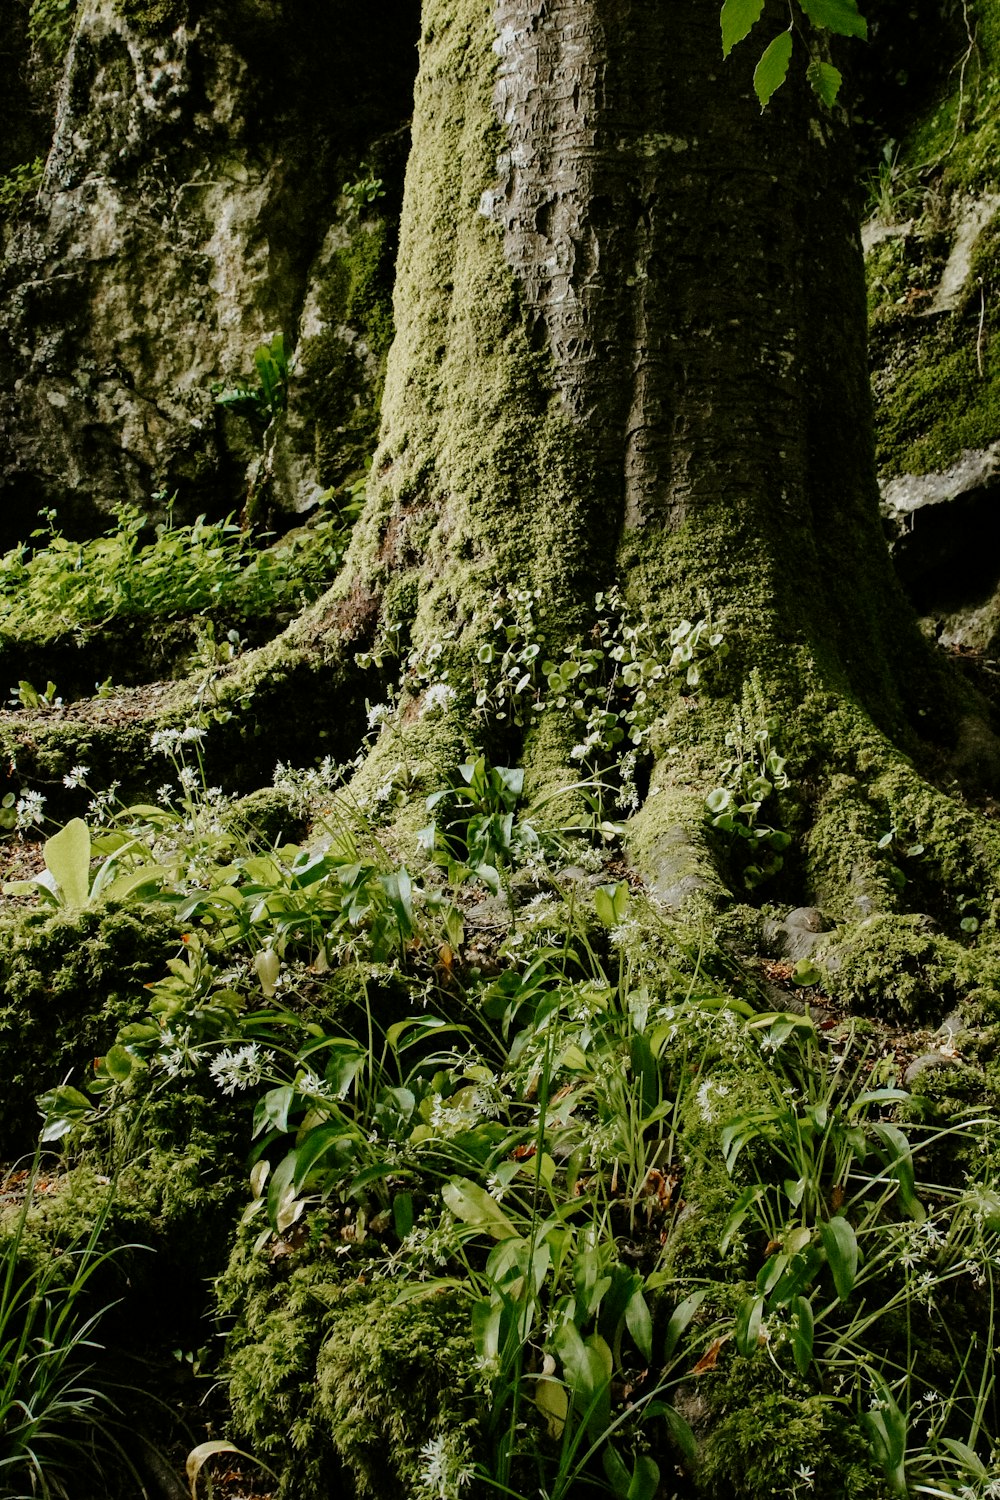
(191, 204)
(933, 250)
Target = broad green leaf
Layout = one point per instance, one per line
(615, 1471)
(67, 856)
(825, 80)
(281, 1200)
(802, 1333)
(748, 1325)
(901, 1166)
(681, 1434)
(885, 1425)
(969, 1460)
(321, 1142)
(738, 16)
(841, 1249)
(640, 1324)
(402, 1214)
(770, 72)
(268, 967)
(118, 1063)
(62, 1107)
(131, 881)
(611, 903)
(473, 1205)
(645, 1479)
(680, 1318)
(275, 1106)
(553, 1402)
(840, 16)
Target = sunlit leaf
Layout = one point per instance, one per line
(772, 69)
(738, 16)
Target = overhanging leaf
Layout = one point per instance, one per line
(197, 1458)
(825, 80)
(772, 69)
(840, 16)
(738, 16)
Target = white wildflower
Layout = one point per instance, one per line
(188, 778)
(237, 1070)
(437, 698)
(316, 1087)
(164, 740)
(704, 1098)
(29, 809)
(76, 777)
(175, 1062)
(378, 713)
(165, 794)
(446, 1468)
(191, 734)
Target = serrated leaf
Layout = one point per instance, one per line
(738, 16)
(826, 81)
(772, 69)
(840, 16)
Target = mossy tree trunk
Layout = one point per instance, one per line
(631, 348)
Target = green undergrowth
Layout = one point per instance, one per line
(502, 1178)
(535, 1193)
(94, 599)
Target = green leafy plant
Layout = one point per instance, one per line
(364, 190)
(739, 17)
(749, 782)
(56, 585)
(66, 880)
(57, 1415)
(475, 832)
(269, 396)
(20, 184)
(894, 191)
(855, 1247)
(50, 26)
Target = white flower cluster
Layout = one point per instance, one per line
(446, 1468)
(76, 777)
(704, 1098)
(239, 1069)
(437, 698)
(29, 810)
(166, 741)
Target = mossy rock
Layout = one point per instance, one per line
(328, 1377)
(896, 967)
(152, 17)
(266, 817)
(68, 981)
(760, 1443)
